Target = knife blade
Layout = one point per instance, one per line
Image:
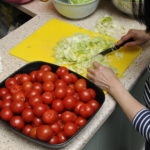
(109, 50)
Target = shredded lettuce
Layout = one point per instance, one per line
(80, 1)
(126, 5)
(79, 52)
(107, 26)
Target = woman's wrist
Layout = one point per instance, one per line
(115, 87)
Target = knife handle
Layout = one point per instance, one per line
(122, 44)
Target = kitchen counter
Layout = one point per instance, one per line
(42, 12)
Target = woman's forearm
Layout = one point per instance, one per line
(127, 102)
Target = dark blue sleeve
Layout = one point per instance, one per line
(141, 122)
(147, 93)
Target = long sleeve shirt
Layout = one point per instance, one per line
(141, 121)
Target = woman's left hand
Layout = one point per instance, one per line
(106, 79)
(103, 77)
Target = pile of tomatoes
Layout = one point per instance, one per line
(50, 106)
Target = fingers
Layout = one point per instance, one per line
(130, 44)
(90, 76)
(129, 35)
(124, 38)
(90, 70)
(93, 71)
(96, 65)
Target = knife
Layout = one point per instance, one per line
(114, 48)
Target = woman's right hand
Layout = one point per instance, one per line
(139, 36)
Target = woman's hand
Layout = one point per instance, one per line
(139, 36)
(106, 79)
(103, 77)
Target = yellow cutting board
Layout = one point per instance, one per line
(39, 46)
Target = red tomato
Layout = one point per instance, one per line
(17, 106)
(17, 78)
(33, 75)
(48, 86)
(32, 93)
(60, 92)
(27, 129)
(6, 103)
(61, 124)
(33, 132)
(39, 75)
(69, 102)
(39, 109)
(35, 100)
(80, 85)
(37, 121)
(27, 115)
(70, 91)
(27, 105)
(27, 86)
(54, 140)
(85, 95)
(46, 68)
(10, 82)
(15, 88)
(44, 132)
(78, 106)
(70, 129)
(37, 86)
(19, 96)
(58, 105)
(49, 76)
(6, 114)
(74, 77)
(80, 121)
(92, 92)
(59, 116)
(3, 91)
(17, 122)
(76, 95)
(50, 116)
(68, 116)
(94, 104)
(1, 103)
(67, 78)
(61, 71)
(24, 78)
(47, 106)
(47, 97)
(61, 137)
(86, 110)
(60, 83)
(7, 96)
(71, 86)
(55, 127)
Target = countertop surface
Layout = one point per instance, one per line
(43, 12)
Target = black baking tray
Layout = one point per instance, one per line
(100, 97)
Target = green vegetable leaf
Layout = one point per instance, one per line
(79, 49)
